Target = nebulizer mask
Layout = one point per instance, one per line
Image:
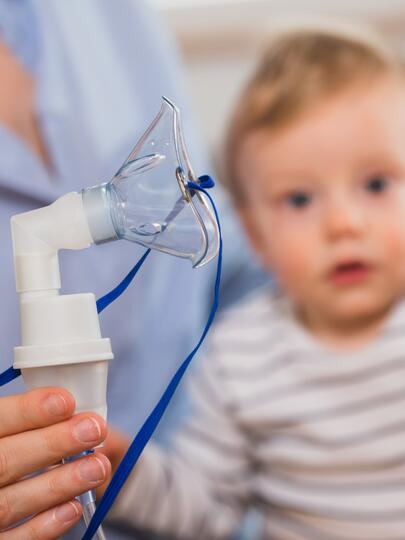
(149, 201)
(155, 200)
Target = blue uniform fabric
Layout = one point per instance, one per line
(18, 31)
(100, 72)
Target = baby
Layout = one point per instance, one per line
(299, 408)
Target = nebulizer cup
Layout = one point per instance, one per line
(151, 201)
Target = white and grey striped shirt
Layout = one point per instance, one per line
(313, 437)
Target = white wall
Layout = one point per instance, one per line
(220, 41)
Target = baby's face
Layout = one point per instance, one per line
(326, 202)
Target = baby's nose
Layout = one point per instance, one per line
(343, 218)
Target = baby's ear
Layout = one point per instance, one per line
(253, 231)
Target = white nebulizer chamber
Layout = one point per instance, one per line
(151, 201)
(61, 343)
(62, 346)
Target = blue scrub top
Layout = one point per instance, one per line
(100, 71)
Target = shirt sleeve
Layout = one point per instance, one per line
(199, 490)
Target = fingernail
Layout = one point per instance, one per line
(56, 405)
(87, 430)
(92, 470)
(66, 513)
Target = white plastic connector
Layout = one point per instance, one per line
(37, 237)
(96, 205)
(61, 343)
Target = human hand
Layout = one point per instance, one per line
(37, 430)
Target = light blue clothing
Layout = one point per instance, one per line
(19, 32)
(101, 71)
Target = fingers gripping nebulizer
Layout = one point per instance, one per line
(155, 200)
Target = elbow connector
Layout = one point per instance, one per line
(37, 237)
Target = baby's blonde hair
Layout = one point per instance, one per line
(299, 68)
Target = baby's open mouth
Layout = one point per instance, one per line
(350, 272)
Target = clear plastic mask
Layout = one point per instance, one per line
(150, 201)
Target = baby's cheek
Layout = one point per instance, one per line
(393, 245)
(393, 236)
(293, 262)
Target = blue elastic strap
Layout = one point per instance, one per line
(106, 300)
(205, 182)
(144, 434)
(9, 375)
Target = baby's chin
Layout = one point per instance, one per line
(357, 308)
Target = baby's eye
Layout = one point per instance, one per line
(377, 184)
(299, 199)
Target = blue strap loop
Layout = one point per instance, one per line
(204, 182)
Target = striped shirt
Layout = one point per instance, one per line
(312, 437)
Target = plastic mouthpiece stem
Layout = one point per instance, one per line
(87, 499)
(89, 509)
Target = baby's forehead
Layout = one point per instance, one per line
(359, 121)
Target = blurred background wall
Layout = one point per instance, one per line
(220, 40)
